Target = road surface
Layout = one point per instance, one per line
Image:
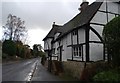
(26, 70)
(18, 71)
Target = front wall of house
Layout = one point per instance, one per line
(81, 35)
(93, 36)
(113, 7)
(69, 39)
(74, 39)
(55, 52)
(66, 52)
(56, 35)
(68, 49)
(47, 43)
(63, 44)
(96, 51)
(100, 18)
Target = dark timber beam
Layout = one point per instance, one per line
(72, 44)
(96, 33)
(87, 42)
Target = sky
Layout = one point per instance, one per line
(39, 15)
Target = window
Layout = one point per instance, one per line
(77, 51)
(53, 51)
(75, 32)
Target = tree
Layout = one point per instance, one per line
(37, 48)
(111, 35)
(9, 47)
(14, 29)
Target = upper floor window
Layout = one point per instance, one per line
(75, 32)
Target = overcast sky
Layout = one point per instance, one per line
(39, 15)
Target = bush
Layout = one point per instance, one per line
(4, 56)
(43, 59)
(111, 75)
(9, 47)
(111, 35)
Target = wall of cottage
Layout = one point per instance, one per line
(68, 49)
(81, 35)
(96, 49)
(101, 17)
(47, 43)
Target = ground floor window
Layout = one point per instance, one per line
(77, 51)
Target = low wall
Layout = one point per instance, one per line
(78, 70)
(83, 70)
(73, 68)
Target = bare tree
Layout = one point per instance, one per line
(14, 29)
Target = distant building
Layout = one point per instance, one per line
(81, 37)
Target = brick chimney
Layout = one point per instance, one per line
(83, 5)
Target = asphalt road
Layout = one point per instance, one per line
(18, 71)
(27, 70)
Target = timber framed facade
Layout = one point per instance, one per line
(81, 38)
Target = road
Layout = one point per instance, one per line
(26, 70)
(18, 71)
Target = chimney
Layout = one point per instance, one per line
(53, 25)
(83, 5)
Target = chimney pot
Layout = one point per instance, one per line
(83, 5)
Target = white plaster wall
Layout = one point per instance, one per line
(103, 7)
(56, 35)
(110, 16)
(92, 35)
(81, 34)
(100, 17)
(69, 39)
(113, 7)
(56, 46)
(64, 51)
(96, 51)
(68, 49)
(77, 58)
(74, 39)
(47, 44)
(84, 53)
(69, 53)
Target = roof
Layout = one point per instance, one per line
(55, 28)
(84, 17)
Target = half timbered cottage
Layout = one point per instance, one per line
(81, 37)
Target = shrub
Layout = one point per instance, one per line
(111, 35)
(9, 47)
(111, 75)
